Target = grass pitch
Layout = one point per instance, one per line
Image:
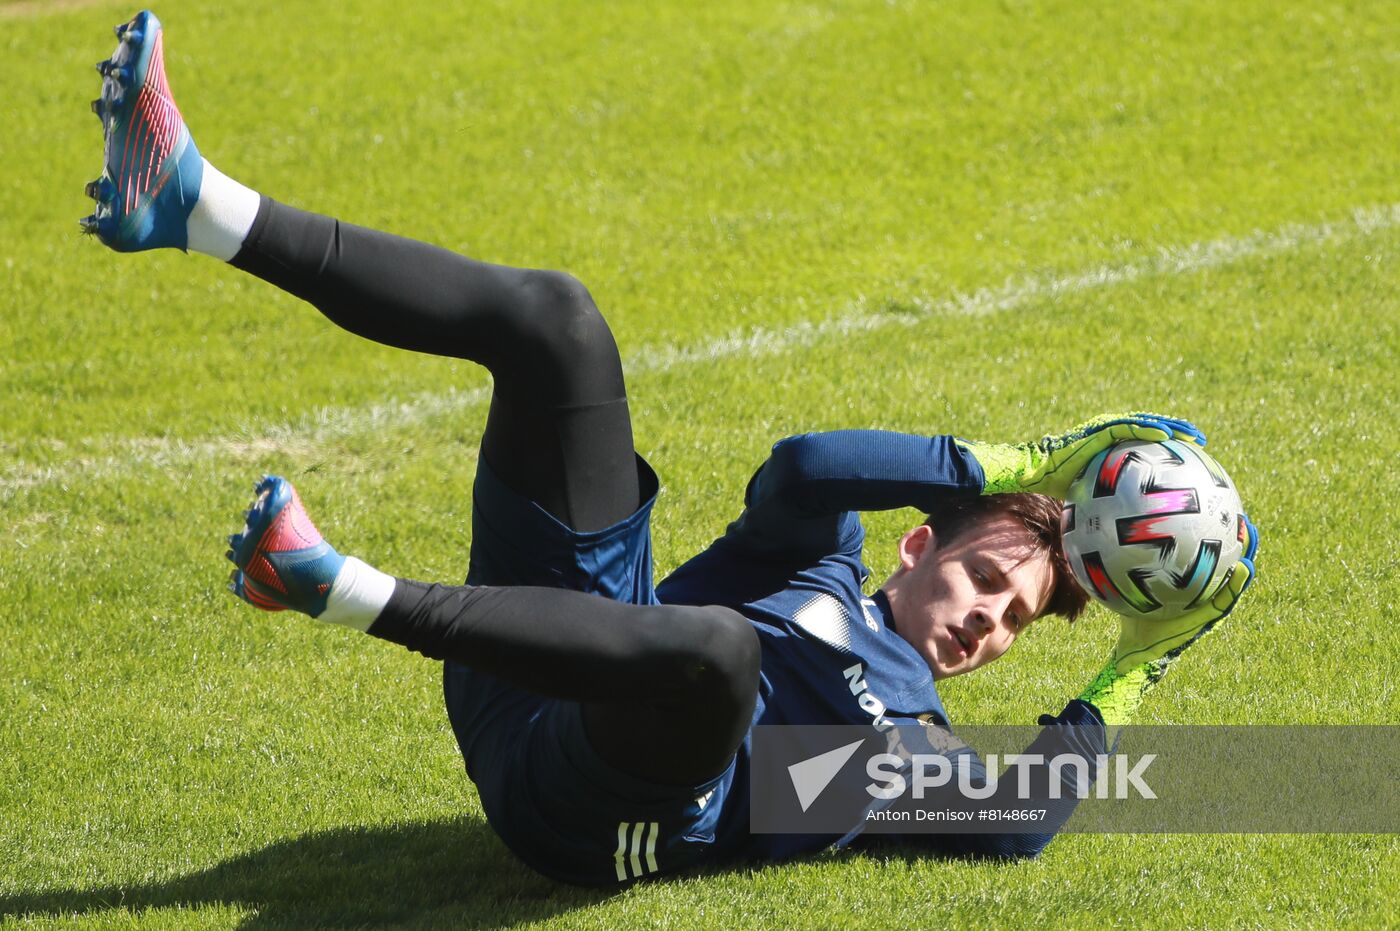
(986, 219)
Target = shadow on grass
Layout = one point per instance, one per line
(452, 872)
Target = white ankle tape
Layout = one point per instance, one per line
(358, 594)
(222, 216)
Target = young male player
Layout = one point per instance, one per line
(609, 736)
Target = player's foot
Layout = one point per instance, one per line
(283, 563)
(151, 169)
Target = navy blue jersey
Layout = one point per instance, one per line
(792, 565)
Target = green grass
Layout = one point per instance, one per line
(169, 759)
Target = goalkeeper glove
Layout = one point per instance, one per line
(1051, 464)
(1146, 649)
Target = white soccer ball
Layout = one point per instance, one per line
(1152, 529)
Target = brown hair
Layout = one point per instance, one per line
(1039, 515)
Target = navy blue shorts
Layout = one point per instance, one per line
(552, 800)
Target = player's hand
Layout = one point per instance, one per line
(1051, 464)
(1143, 641)
(1147, 649)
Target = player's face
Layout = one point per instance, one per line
(963, 603)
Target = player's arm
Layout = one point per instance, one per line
(1066, 751)
(803, 499)
(1142, 656)
(1089, 725)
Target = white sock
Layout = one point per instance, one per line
(358, 594)
(222, 216)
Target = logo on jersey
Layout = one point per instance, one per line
(865, 605)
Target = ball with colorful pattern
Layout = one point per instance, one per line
(1151, 529)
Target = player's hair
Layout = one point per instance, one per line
(1039, 514)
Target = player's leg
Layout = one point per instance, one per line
(682, 680)
(558, 431)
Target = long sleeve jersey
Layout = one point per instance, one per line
(792, 564)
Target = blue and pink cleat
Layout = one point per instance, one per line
(151, 169)
(283, 562)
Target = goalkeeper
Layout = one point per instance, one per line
(609, 736)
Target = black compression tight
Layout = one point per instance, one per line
(559, 433)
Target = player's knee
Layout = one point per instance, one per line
(545, 288)
(562, 314)
(562, 349)
(726, 658)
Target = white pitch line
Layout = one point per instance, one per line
(329, 424)
(1018, 292)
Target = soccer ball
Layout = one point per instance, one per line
(1152, 529)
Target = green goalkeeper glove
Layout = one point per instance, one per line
(1146, 649)
(1050, 465)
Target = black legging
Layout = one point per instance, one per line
(559, 433)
